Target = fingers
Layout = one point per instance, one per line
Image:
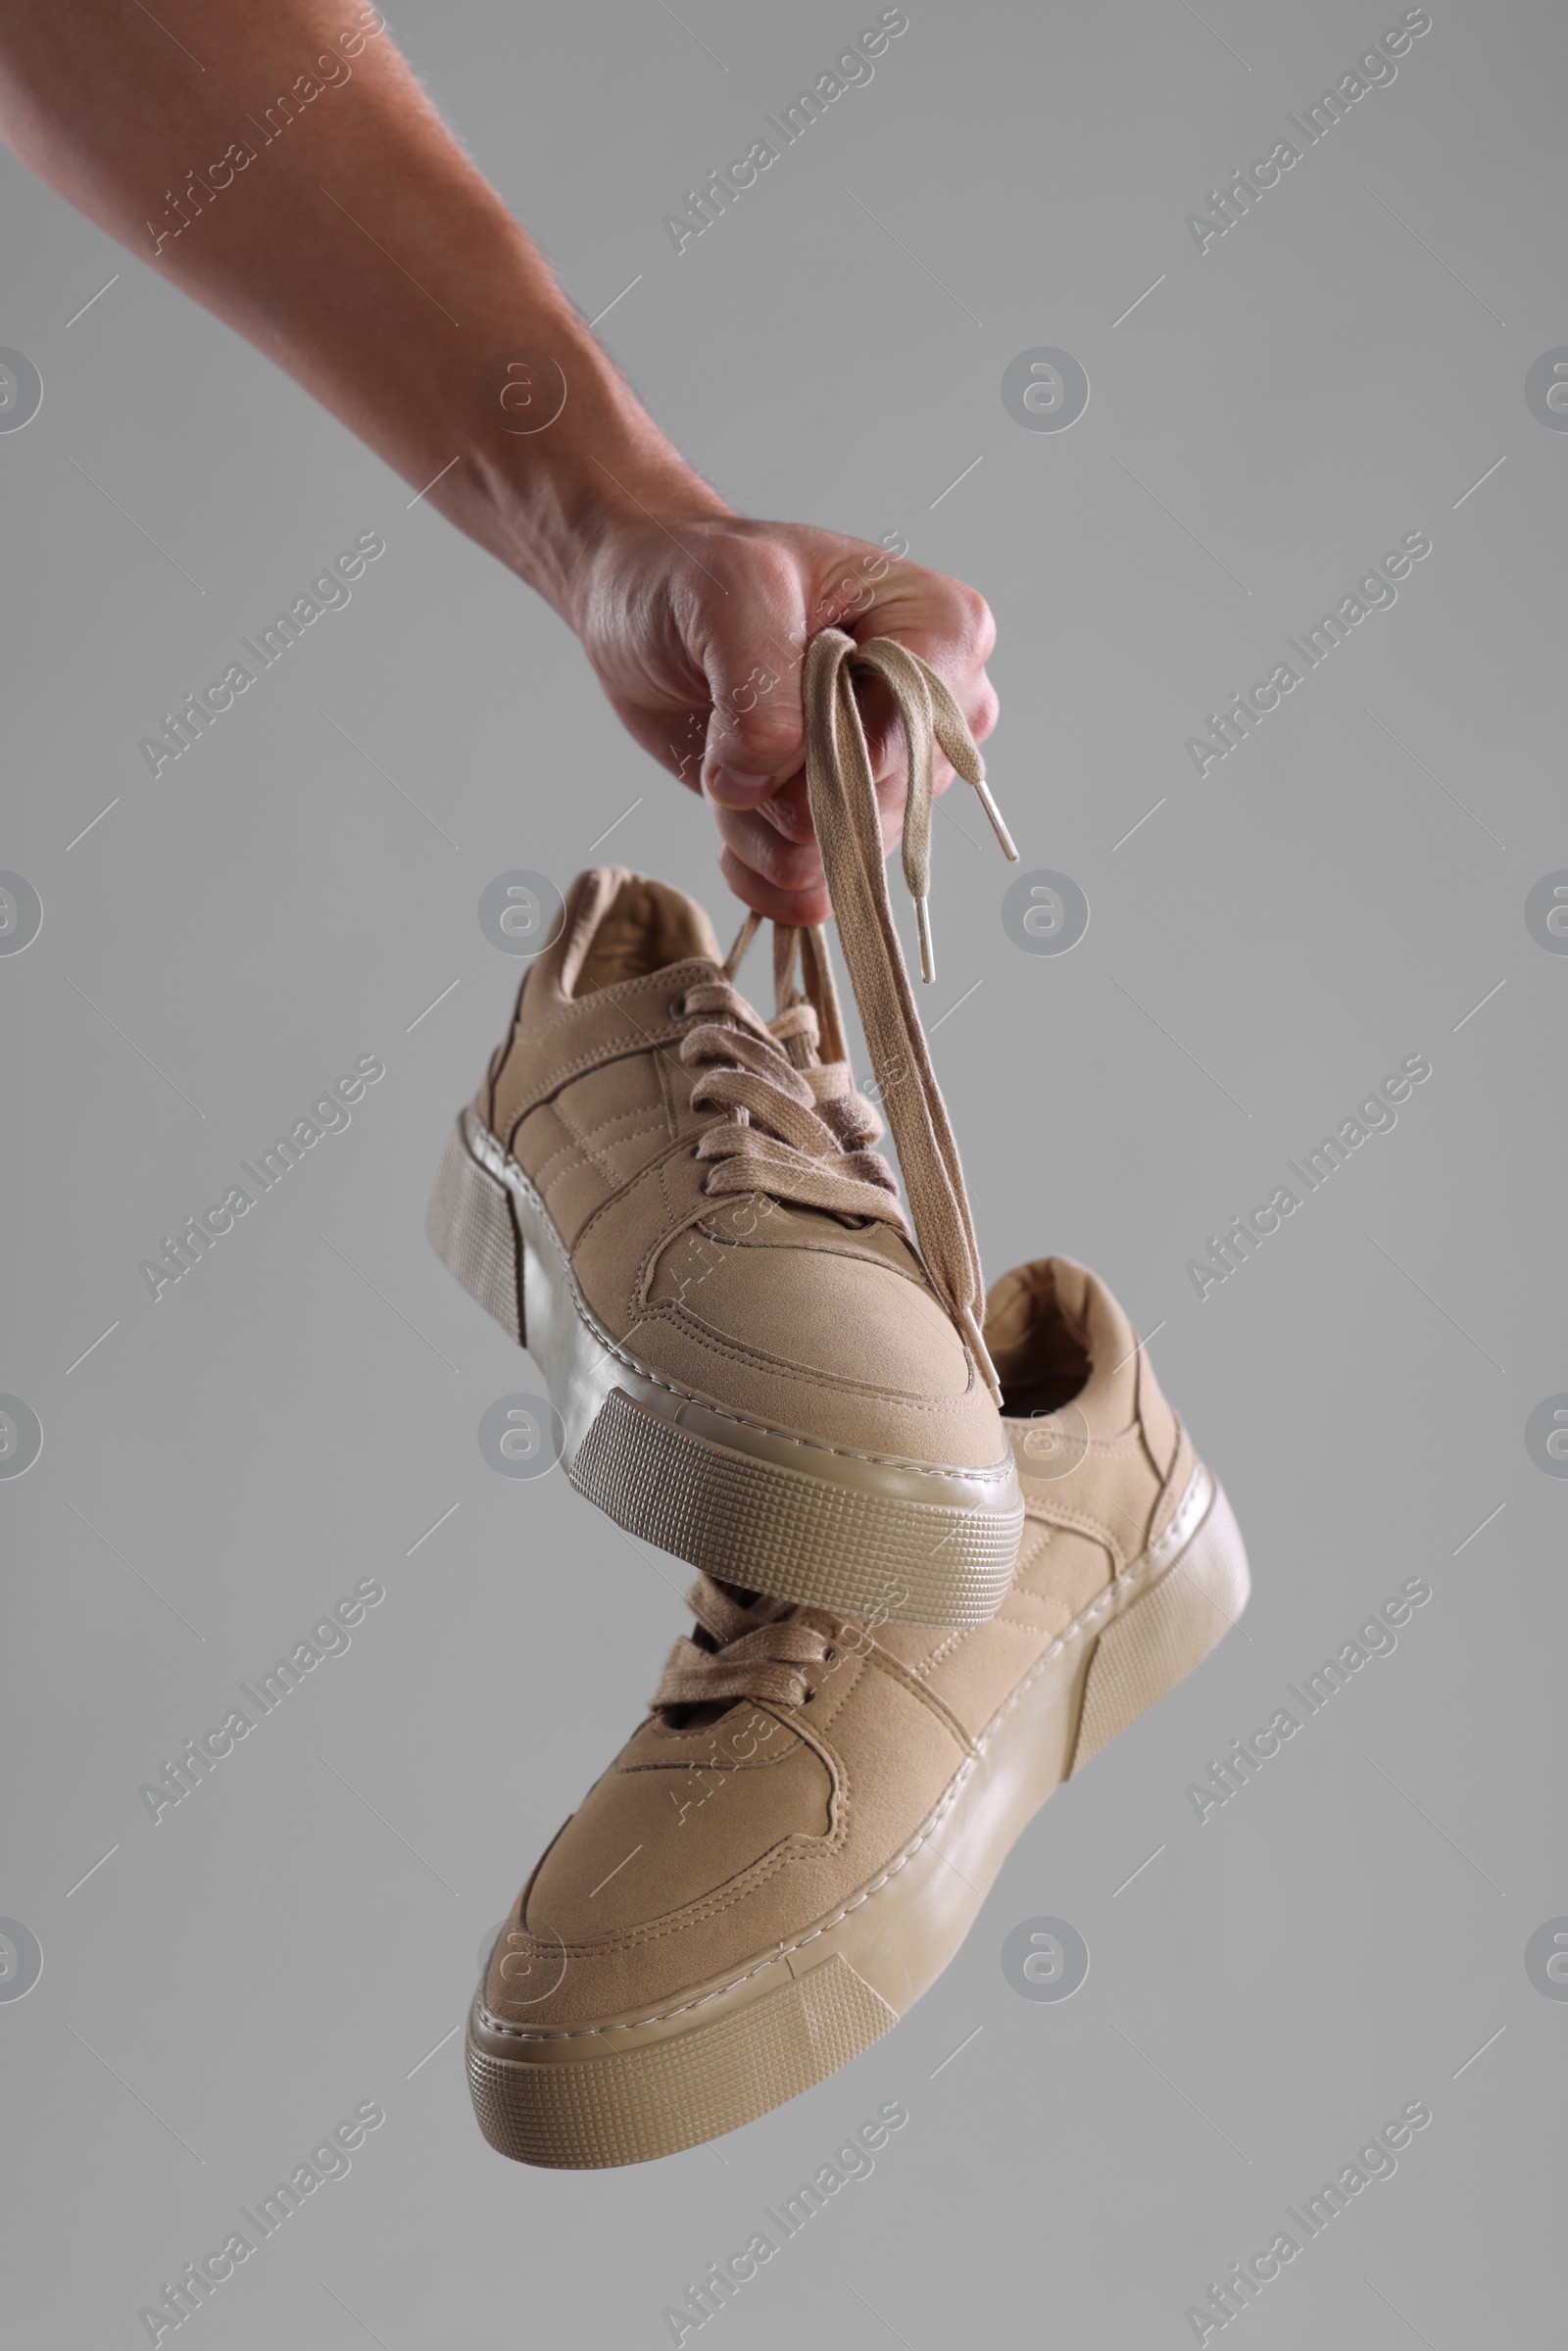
(947, 622)
(753, 620)
(702, 650)
(788, 810)
(950, 625)
(761, 861)
(750, 626)
(802, 908)
(770, 858)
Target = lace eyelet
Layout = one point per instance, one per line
(676, 1009)
(828, 1656)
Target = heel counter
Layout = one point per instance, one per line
(488, 1098)
(1167, 1443)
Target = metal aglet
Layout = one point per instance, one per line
(922, 923)
(997, 825)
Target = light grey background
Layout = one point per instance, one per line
(296, 1414)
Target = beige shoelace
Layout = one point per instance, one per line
(756, 1651)
(797, 1127)
(843, 810)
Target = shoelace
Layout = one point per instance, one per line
(757, 1651)
(844, 811)
(797, 1127)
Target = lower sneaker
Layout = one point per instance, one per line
(797, 1840)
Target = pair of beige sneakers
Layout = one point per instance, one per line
(949, 1543)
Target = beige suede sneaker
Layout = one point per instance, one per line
(798, 1839)
(759, 1364)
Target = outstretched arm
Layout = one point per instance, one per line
(286, 168)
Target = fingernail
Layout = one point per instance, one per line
(734, 786)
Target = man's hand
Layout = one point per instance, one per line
(697, 626)
(693, 619)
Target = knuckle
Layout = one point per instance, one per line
(767, 573)
(758, 706)
(987, 709)
(788, 864)
(978, 621)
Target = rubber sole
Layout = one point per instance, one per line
(632, 2088)
(767, 1508)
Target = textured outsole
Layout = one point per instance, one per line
(633, 2105)
(629, 2088)
(825, 1529)
(472, 1230)
(784, 1532)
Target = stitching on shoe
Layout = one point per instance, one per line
(512, 1174)
(583, 1138)
(1030, 1624)
(735, 1350)
(679, 1148)
(650, 983)
(670, 1763)
(849, 1681)
(670, 1311)
(646, 1040)
(1143, 1571)
(590, 1160)
(905, 1679)
(1167, 1483)
(581, 1142)
(1080, 1521)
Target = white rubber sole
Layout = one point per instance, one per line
(766, 1509)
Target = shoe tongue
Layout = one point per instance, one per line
(1037, 1345)
(620, 925)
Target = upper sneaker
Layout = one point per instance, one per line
(797, 1840)
(758, 1362)
(763, 1381)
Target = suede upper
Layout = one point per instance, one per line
(722, 1830)
(805, 1321)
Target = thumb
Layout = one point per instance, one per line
(756, 725)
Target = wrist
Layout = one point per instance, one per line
(565, 460)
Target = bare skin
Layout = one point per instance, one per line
(694, 617)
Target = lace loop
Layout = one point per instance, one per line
(795, 1126)
(843, 810)
(928, 713)
(798, 1132)
(745, 1648)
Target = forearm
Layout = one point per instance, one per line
(277, 160)
(290, 173)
